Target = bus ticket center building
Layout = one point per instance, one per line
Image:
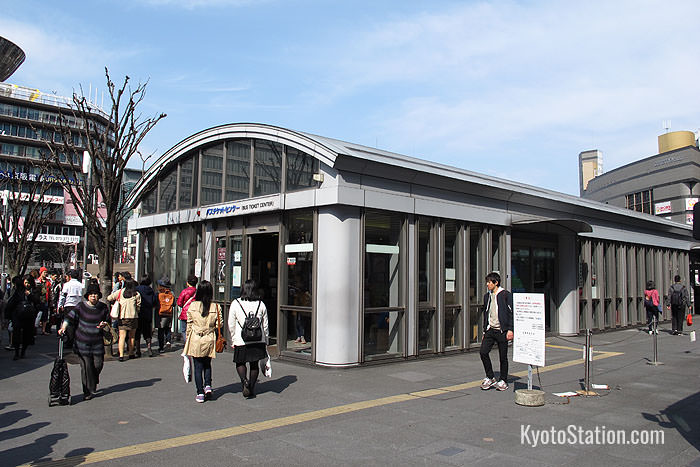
(371, 255)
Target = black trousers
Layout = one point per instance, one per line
(677, 317)
(490, 337)
(652, 312)
(90, 369)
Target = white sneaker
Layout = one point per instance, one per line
(488, 383)
(501, 385)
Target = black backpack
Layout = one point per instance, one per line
(677, 294)
(251, 329)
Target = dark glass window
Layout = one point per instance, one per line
(212, 168)
(186, 181)
(168, 191)
(268, 168)
(148, 205)
(300, 170)
(237, 169)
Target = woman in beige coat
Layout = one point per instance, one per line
(129, 307)
(200, 344)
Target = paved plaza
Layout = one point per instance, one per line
(421, 412)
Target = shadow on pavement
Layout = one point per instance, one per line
(10, 418)
(263, 386)
(275, 385)
(683, 416)
(130, 385)
(25, 430)
(34, 452)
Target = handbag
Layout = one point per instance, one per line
(220, 339)
(108, 334)
(689, 319)
(116, 308)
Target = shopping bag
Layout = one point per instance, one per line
(186, 368)
(266, 367)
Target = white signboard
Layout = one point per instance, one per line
(689, 203)
(662, 208)
(198, 267)
(528, 328)
(241, 207)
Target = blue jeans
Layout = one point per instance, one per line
(202, 367)
(183, 329)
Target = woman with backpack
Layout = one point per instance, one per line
(247, 323)
(22, 309)
(129, 306)
(203, 317)
(651, 304)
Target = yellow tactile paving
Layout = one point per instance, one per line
(180, 441)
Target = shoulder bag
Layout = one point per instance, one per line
(116, 308)
(220, 339)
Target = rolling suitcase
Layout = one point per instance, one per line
(59, 386)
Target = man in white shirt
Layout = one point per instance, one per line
(71, 293)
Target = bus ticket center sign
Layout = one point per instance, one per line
(528, 329)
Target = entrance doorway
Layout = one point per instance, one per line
(533, 270)
(262, 268)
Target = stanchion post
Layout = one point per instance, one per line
(587, 365)
(654, 343)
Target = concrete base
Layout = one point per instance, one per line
(583, 392)
(529, 397)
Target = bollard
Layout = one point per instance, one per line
(654, 344)
(587, 368)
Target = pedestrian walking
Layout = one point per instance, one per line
(166, 302)
(71, 293)
(129, 306)
(183, 301)
(651, 305)
(145, 323)
(678, 303)
(248, 313)
(498, 329)
(22, 309)
(87, 319)
(200, 340)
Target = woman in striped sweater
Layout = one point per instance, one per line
(88, 319)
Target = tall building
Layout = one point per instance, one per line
(590, 166)
(29, 118)
(665, 184)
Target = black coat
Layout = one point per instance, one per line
(504, 300)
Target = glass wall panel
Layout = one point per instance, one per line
(297, 303)
(237, 169)
(452, 336)
(187, 181)
(168, 191)
(219, 279)
(384, 312)
(495, 252)
(476, 283)
(268, 168)
(382, 260)
(212, 168)
(148, 204)
(426, 303)
(301, 168)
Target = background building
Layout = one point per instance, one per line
(665, 184)
(29, 119)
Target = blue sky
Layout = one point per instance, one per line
(514, 89)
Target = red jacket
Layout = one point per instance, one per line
(182, 300)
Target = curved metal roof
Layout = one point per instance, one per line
(362, 159)
(324, 151)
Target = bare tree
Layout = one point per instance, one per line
(110, 141)
(26, 208)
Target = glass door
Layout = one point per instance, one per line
(263, 254)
